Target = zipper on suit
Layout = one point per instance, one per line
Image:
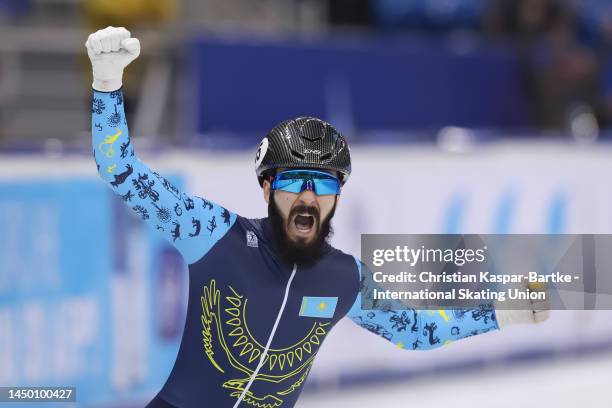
(265, 352)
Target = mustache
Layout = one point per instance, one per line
(303, 209)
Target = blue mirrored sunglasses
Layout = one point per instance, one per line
(296, 181)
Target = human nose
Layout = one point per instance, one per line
(308, 197)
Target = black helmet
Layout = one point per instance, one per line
(303, 143)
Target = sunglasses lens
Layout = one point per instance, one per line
(327, 186)
(293, 185)
(296, 181)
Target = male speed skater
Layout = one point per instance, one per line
(263, 293)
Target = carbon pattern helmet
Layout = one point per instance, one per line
(303, 142)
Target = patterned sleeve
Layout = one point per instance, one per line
(423, 329)
(192, 224)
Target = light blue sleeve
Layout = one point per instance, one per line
(192, 224)
(423, 329)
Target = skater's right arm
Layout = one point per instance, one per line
(192, 224)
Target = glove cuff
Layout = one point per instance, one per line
(510, 317)
(107, 85)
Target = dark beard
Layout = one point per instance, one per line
(293, 253)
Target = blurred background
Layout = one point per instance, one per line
(464, 116)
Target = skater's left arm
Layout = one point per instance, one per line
(428, 329)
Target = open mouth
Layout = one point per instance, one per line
(304, 222)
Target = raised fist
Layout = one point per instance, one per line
(110, 51)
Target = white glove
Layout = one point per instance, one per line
(110, 51)
(534, 311)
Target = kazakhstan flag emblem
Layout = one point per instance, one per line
(313, 306)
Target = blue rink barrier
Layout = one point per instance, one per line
(89, 296)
